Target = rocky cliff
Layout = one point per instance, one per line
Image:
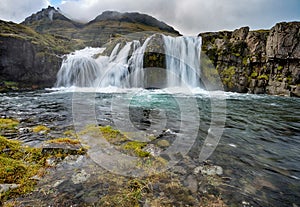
(29, 59)
(262, 61)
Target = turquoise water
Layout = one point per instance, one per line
(259, 150)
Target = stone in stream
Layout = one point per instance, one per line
(209, 170)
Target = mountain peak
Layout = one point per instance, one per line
(48, 14)
(133, 17)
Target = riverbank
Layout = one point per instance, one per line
(60, 173)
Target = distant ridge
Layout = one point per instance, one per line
(133, 17)
(98, 31)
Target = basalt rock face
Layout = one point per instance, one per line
(262, 61)
(29, 59)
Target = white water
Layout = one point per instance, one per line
(124, 67)
(182, 61)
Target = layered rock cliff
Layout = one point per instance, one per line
(262, 61)
(29, 59)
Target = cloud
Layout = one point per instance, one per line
(194, 16)
(188, 16)
(17, 11)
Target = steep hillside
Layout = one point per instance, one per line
(99, 31)
(28, 58)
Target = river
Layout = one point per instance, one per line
(259, 149)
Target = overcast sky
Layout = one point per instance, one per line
(188, 16)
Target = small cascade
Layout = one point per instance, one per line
(136, 64)
(115, 70)
(124, 66)
(79, 69)
(182, 60)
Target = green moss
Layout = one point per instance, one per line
(279, 68)
(263, 76)
(227, 76)
(245, 61)
(65, 140)
(136, 147)
(71, 133)
(8, 124)
(18, 164)
(289, 80)
(112, 135)
(254, 74)
(11, 84)
(134, 191)
(262, 31)
(40, 128)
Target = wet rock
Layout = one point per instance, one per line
(65, 148)
(80, 177)
(179, 170)
(191, 183)
(209, 170)
(52, 161)
(25, 130)
(163, 143)
(153, 150)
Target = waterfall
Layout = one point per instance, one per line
(124, 66)
(79, 69)
(182, 60)
(136, 64)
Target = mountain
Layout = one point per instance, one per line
(110, 24)
(52, 21)
(134, 17)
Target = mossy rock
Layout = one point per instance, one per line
(8, 124)
(136, 148)
(41, 129)
(18, 164)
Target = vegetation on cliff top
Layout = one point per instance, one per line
(55, 43)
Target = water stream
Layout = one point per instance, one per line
(259, 149)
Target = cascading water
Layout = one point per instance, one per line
(124, 67)
(182, 60)
(79, 69)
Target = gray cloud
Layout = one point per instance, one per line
(193, 16)
(188, 16)
(17, 11)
